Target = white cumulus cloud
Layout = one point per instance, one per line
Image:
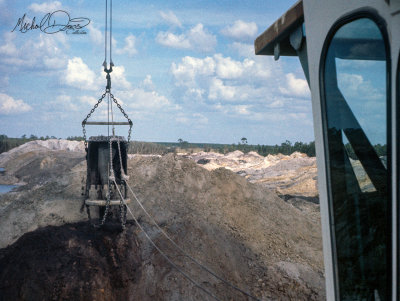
(79, 75)
(190, 68)
(129, 47)
(295, 86)
(355, 86)
(64, 102)
(46, 52)
(119, 80)
(95, 34)
(197, 38)
(170, 18)
(88, 100)
(11, 106)
(138, 98)
(241, 30)
(243, 49)
(45, 7)
(147, 83)
(219, 90)
(172, 40)
(246, 88)
(211, 71)
(200, 38)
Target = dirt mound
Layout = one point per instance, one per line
(241, 230)
(294, 175)
(15, 160)
(71, 262)
(228, 201)
(43, 145)
(77, 262)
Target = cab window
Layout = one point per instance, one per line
(355, 113)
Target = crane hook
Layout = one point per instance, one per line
(108, 76)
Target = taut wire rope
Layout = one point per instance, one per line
(161, 252)
(124, 177)
(105, 40)
(111, 62)
(202, 266)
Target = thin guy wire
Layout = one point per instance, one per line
(162, 253)
(184, 252)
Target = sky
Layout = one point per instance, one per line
(183, 70)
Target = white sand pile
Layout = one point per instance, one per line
(288, 175)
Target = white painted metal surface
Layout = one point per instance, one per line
(320, 16)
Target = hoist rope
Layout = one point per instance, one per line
(202, 266)
(111, 62)
(108, 115)
(106, 33)
(162, 253)
(111, 177)
(105, 39)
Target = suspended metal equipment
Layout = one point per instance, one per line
(106, 156)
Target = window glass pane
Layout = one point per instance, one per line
(355, 116)
(363, 85)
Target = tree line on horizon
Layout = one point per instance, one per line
(285, 148)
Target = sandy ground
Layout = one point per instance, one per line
(294, 175)
(241, 230)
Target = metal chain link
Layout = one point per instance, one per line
(88, 116)
(108, 201)
(125, 115)
(123, 209)
(111, 177)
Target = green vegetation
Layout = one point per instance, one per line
(7, 143)
(381, 150)
(161, 148)
(139, 147)
(75, 138)
(285, 148)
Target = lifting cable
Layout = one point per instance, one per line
(184, 252)
(202, 266)
(105, 39)
(162, 253)
(106, 33)
(125, 177)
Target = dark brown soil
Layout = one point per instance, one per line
(70, 262)
(240, 230)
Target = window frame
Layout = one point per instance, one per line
(373, 15)
(397, 100)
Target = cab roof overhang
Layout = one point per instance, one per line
(279, 33)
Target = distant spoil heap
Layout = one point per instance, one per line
(294, 175)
